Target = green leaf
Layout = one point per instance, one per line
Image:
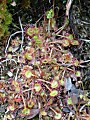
(76, 62)
(62, 82)
(58, 116)
(54, 84)
(35, 37)
(54, 93)
(11, 108)
(9, 56)
(65, 43)
(43, 113)
(78, 74)
(69, 101)
(70, 37)
(75, 42)
(28, 74)
(50, 14)
(26, 111)
(81, 96)
(37, 40)
(45, 61)
(29, 31)
(30, 104)
(28, 56)
(32, 31)
(37, 87)
(36, 30)
(42, 93)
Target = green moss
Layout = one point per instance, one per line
(5, 19)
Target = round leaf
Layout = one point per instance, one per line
(28, 74)
(58, 116)
(29, 31)
(37, 87)
(30, 104)
(78, 74)
(65, 43)
(54, 93)
(70, 37)
(76, 62)
(26, 111)
(75, 42)
(43, 113)
(54, 84)
(28, 56)
(62, 82)
(69, 101)
(11, 108)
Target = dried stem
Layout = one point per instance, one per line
(8, 60)
(85, 40)
(22, 34)
(10, 39)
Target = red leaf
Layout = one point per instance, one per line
(17, 99)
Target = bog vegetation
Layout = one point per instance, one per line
(41, 78)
